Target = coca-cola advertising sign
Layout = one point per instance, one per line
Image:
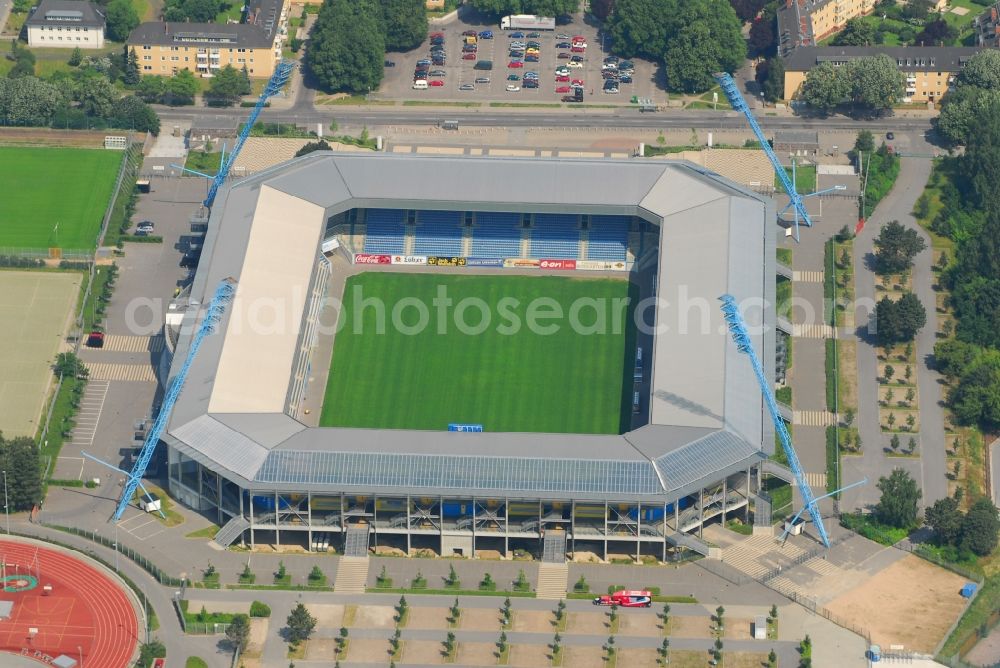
(368, 258)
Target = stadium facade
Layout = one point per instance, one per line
(242, 449)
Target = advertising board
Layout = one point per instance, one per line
(483, 262)
(520, 262)
(600, 265)
(369, 258)
(446, 261)
(557, 264)
(409, 259)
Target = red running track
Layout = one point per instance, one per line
(87, 612)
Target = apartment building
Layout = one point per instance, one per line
(930, 70)
(988, 27)
(66, 24)
(164, 48)
(806, 22)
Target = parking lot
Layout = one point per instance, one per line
(459, 72)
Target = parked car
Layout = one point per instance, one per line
(467, 87)
(423, 61)
(562, 69)
(609, 74)
(95, 340)
(563, 45)
(534, 45)
(563, 54)
(190, 259)
(578, 49)
(563, 89)
(515, 64)
(531, 75)
(438, 73)
(513, 88)
(469, 33)
(437, 35)
(469, 56)
(611, 87)
(146, 227)
(611, 59)
(439, 62)
(562, 35)
(483, 65)
(486, 34)
(530, 58)
(530, 83)
(469, 48)
(576, 59)
(534, 35)
(389, 63)
(514, 53)
(562, 78)
(625, 78)
(578, 82)
(482, 80)
(574, 63)
(517, 45)
(517, 35)
(513, 77)
(890, 136)
(436, 83)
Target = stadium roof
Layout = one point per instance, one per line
(707, 417)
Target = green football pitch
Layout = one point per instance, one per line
(568, 381)
(54, 197)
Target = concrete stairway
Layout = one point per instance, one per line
(552, 579)
(352, 575)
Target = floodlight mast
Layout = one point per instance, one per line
(795, 200)
(742, 339)
(216, 307)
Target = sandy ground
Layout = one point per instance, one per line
(422, 651)
(375, 617)
(986, 651)
(897, 612)
(530, 656)
(690, 627)
(476, 654)
(584, 657)
(320, 649)
(738, 628)
(480, 619)
(638, 658)
(368, 650)
(587, 623)
(744, 659)
(429, 618)
(638, 625)
(534, 621)
(327, 615)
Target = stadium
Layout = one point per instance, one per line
(313, 417)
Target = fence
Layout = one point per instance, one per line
(139, 560)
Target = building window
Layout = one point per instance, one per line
(146, 48)
(147, 67)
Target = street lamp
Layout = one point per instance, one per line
(80, 650)
(116, 547)
(6, 507)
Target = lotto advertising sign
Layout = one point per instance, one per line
(474, 428)
(557, 264)
(600, 265)
(446, 261)
(521, 263)
(409, 259)
(368, 258)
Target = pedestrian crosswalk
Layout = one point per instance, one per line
(121, 372)
(808, 276)
(814, 331)
(132, 344)
(814, 418)
(816, 480)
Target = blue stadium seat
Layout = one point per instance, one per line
(608, 238)
(496, 235)
(386, 231)
(555, 235)
(438, 233)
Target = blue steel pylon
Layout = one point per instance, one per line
(274, 84)
(795, 200)
(742, 339)
(223, 295)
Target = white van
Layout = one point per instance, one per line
(420, 84)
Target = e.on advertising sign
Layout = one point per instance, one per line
(557, 264)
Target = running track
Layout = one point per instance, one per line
(86, 611)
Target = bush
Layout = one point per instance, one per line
(150, 651)
(259, 609)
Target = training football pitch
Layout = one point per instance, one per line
(506, 377)
(43, 187)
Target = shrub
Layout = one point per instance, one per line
(260, 609)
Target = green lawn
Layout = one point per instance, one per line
(561, 382)
(805, 178)
(46, 187)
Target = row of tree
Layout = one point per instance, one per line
(692, 38)
(350, 37)
(872, 84)
(976, 89)
(19, 459)
(539, 7)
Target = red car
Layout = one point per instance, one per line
(579, 49)
(562, 78)
(435, 35)
(577, 82)
(469, 56)
(563, 89)
(435, 82)
(515, 63)
(579, 38)
(470, 33)
(627, 599)
(95, 340)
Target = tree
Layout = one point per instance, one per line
(895, 248)
(889, 372)
(981, 71)
(763, 38)
(936, 33)
(96, 96)
(540, 7)
(28, 101)
(864, 142)
(131, 112)
(602, 8)
(897, 506)
(24, 62)
(900, 320)
(19, 459)
(227, 86)
(121, 19)
(825, 87)
(894, 442)
(707, 39)
(876, 82)
(962, 107)
(945, 518)
(238, 631)
(917, 9)
(405, 23)
(75, 58)
(300, 624)
(346, 47)
(770, 76)
(320, 145)
(976, 398)
(746, 10)
(181, 88)
(911, 394)
(857, 32)
(981, 527)
(642, 27)
(151, 88)
(132, 74)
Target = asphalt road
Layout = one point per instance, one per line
(303, 113)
